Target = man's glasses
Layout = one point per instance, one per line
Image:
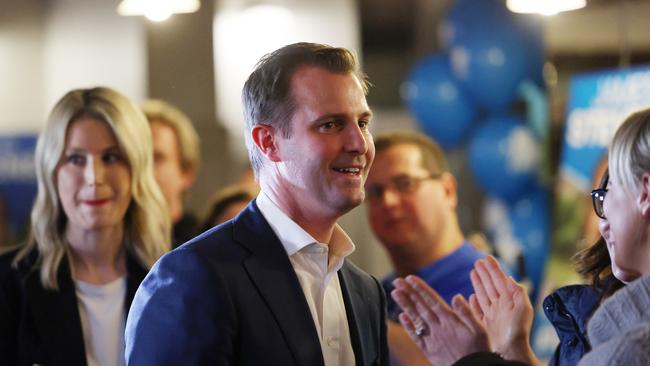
(598, 196)
(402, 183)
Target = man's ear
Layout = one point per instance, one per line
(644, 196)
(450, 186)
(265, 139)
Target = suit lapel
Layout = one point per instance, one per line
(272, 273)
(56, 318)
(354, 305)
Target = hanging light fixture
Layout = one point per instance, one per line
(544, 7)
(157, 10)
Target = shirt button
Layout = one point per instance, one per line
(331, 341)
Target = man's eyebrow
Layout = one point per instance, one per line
(341, 116)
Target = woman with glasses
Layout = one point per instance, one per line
(569, 308)
(620, 329)
(98, 223)
(499, 316)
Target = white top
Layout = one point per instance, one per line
(316, 265)
(101, 308)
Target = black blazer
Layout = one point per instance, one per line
(39, 326)
(231, 297)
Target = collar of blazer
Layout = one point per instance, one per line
(271, 271)
(56, 313)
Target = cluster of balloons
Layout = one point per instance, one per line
(491, 59)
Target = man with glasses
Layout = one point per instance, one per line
(411, 199)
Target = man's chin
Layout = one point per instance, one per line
(349, 202)
(395, 242)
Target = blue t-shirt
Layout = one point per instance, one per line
(448, 276)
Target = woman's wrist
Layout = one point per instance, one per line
(519, 350)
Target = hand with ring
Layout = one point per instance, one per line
(444, 334)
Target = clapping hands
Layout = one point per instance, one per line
(497, 318)
(444, 334)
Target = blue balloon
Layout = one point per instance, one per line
(467, 17)
(531, 29)
(437, 103)
(492, 50)
(504, 156)
(490, 66)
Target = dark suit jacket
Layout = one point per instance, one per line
(39, 326)
(231, 297)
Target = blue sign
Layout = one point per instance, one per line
(598, 103)
(17, 181)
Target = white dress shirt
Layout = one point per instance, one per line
(316, 265)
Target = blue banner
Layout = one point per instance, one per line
(597, 104)
(17, 183)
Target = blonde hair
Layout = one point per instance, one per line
(188, 139)
(147, 226)
(629, 153)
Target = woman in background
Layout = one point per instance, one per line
(99, 222)
(569, 308)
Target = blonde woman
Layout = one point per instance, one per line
(98, 223)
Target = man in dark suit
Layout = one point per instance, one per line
(272, 286)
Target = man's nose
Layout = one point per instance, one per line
(356, 140)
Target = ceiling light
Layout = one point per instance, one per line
(544, 7)
(157, 10)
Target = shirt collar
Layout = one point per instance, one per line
(293, 237)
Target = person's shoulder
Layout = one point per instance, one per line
(13, 275)
(24, 265)
(578, 293)
(216, 241)
(212, 253)
(470, 253)
(628, 348)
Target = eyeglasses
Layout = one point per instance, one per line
(598, 196)
(402, 183)
(598, 199)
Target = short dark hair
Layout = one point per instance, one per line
(266, 96)
(433, 157)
